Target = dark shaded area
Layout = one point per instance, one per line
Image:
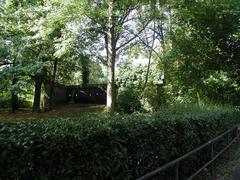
(37, 94)
(89, 94)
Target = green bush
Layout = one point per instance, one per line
(22, 103)
(6, 103)
(128, 100)
(153, 97)
(120, 147)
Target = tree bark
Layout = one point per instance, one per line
(111, 58)
(37, 94)
(14, 99)
(85, 71)
(52, 86)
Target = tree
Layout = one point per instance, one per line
(112, 22)
(204, 52)
(10, 34)
(35, 30)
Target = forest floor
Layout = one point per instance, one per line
(74, 110)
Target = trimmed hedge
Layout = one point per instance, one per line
(120, 147)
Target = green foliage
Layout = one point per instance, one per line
(128, 100)
(130, 82)
(131, 79)
(153, 97)
(131, 76)
(119, 147)
(5, 102)
(23, 88)
(196, 45)
(205, 51)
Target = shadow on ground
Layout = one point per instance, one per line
(72, 110)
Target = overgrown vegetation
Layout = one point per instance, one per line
(157, 53)
(119, 147)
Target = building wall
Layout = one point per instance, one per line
(92, 94)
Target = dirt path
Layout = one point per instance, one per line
(62, 111)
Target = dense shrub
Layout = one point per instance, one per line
(120, 147)
(153, 97)
(6, 103)
(128, 100)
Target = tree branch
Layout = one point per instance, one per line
(146, 44)
(134, 37)
(149, 60)
(159, 34)
(124, 18)
(6, 63)
(103, 25)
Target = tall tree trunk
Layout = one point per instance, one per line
(148, 69)
(14, 99)
(52, 86)
(37, 95)
(85, 72)
(111, 58)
